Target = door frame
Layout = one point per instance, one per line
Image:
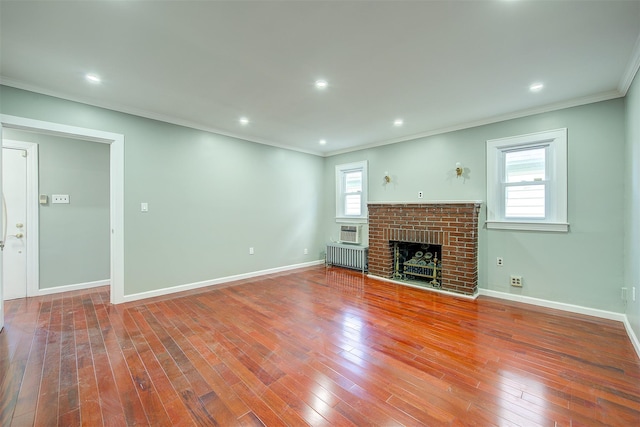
(32, 231)
(116, 183)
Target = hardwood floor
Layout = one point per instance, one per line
(315, 346)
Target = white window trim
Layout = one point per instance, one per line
(340, 170)
(556, 221)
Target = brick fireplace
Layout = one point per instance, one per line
(454, 225)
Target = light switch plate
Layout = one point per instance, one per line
(144, 207)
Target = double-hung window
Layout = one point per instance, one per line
(351, 192)
(527, 182)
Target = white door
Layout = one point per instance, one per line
(1, 252)
(14, 260)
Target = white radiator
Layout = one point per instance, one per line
(348, 256)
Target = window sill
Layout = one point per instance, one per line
(557, 227)
(351, 220)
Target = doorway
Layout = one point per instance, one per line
(116, 178)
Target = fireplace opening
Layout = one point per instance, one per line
(417, 263)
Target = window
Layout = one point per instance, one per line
(527, 182)
(351, 192)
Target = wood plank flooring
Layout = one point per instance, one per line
(319, 346)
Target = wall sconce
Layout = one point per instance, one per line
(459, 169)
(387, 178)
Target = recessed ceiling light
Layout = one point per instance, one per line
(243, 121)
(323, 142)
(321, 84)
(93, 78)
(536, 87)
(398, 122)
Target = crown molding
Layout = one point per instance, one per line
(603, 96)
(148, 115)
(632, 69)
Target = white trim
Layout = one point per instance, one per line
(219, 281)
(603, 96)
(632, 69)
(151, 115)
(1, 252)
(349, 220)
(555, 305)
(632, 335)
(74, 287)
(116, 184)
(341, 170)
(116, 196)
(559, 227)
(424, 288)
(33, 211)
(556, 198)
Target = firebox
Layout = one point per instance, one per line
(417, 263)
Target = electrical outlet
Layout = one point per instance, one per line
(499, 261)
(250, 251)
(516, 281)
(633, 293)
(306, 251)
(420, 194)
(59, 198)
(623, 294)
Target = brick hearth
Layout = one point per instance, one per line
(454, 225)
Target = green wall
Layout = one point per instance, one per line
(583, 267)
(632, 204)
(74, 237)
(210, 197)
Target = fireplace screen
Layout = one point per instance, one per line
(418, 262)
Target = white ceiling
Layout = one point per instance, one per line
(439, 65)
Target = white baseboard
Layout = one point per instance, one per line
(632, 335)
(74, 287)
(557, 305)
(610, 315)
(219, 281)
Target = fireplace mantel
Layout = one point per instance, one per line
(452, 224)
(429, 202)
